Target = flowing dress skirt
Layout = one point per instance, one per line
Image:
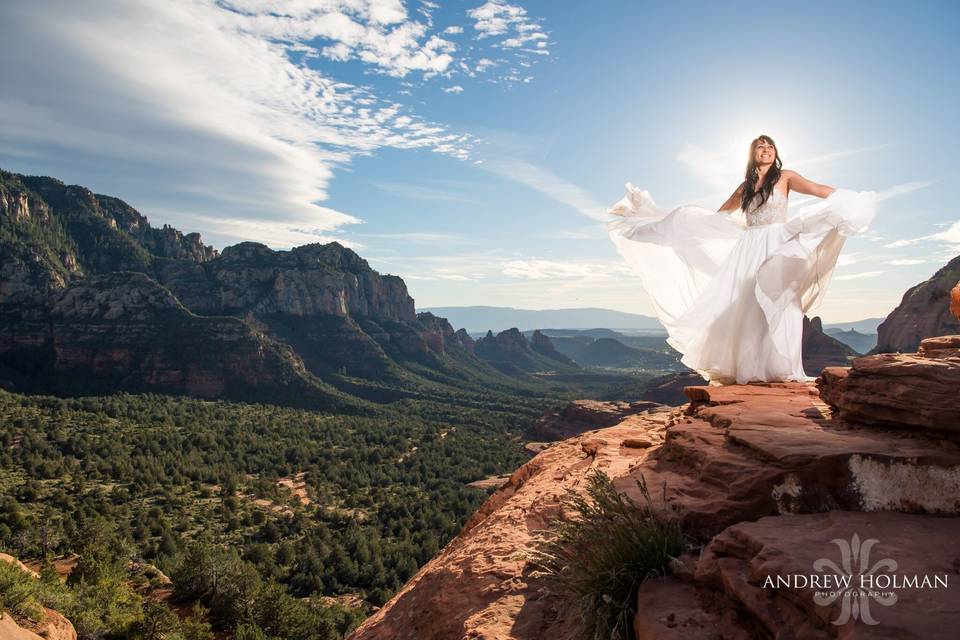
(731, 296)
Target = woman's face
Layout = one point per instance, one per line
(764, 152)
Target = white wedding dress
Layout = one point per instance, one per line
(731, 289)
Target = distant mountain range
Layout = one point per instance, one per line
(869, 325)
(612, 349)
(595, 322)
(95, 300)
(860, 342)
(480, 319)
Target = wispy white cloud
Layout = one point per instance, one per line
(422, 192)
(377, 32)
(860, 276)
(846, 259)
(717, 168)
(950, 236)
(592, 232)
(517, 34)
(277, 234)
(222, 101)
(836, 155)
(209, 99)
(549, 184)
(425, 237)
(454, 89)
(539, 269)
(904, 188)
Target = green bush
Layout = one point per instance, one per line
(19, 593)
(596, 560)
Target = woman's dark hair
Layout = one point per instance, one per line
(773, 174)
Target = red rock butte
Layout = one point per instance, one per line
(768, 476)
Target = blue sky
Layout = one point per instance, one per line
(471, 147)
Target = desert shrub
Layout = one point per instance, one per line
(596, 559)
(19, 593)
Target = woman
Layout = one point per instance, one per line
(731, 287)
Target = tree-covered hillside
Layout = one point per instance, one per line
(379, 495)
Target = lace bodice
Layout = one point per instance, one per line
(773, 210)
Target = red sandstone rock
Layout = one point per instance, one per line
(821, 350)
(6, 557)
(668, 389)
(738, 562)
(585, 415)
(671, 609)
(900, 390)
(741, 453)
(955, 301)
(53, 626)
(923, 312)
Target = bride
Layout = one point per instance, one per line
(731, 287)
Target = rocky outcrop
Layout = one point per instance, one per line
(510, 352)
(438, 334)
(723, 595)
(955, 301)
(668, 389)
(586, 415)
(923, 313)
(51, 626)
(307, 281)
(481, 581)
(466, 340)
(325, 301)
(916, 391)
(821, 350)
(542, 345)
(6, 557)
(765, 473)
(123, 331)
(322, 301)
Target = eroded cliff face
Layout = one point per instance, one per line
(510, 351)
(923, 313)
(820, 350)
(123, 331)
(765, 475)
(317, 309)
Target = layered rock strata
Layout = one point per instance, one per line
(586, 415)
(767, 475)
(917, 390)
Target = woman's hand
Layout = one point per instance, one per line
(798, 183)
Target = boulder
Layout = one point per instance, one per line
(924, 312)
(913, 391)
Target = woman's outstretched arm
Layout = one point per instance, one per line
(733, 202)
(798, 183)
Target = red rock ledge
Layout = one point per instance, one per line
(765, 472)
